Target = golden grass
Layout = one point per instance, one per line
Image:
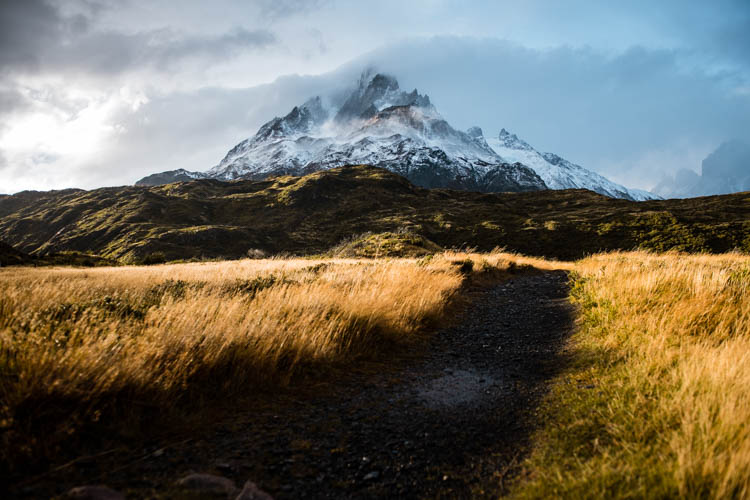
(656, 403)
(86, 340)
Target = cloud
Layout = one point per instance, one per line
(222, 46)
(12, 100)
(190, 129)
(37, 37)
(26, 28)
(725, 170)
(108, 53)
(279, 9)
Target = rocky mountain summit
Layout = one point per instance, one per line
(380, 124)
(725, 170)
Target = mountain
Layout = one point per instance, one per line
(559, 173)
(725, 170)
(379, 124)
(208, 218)
(179, 175)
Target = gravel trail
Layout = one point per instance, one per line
(452, 421)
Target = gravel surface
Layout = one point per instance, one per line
(451, 421)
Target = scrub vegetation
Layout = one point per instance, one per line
(310, 215)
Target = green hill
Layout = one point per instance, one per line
(317, 212)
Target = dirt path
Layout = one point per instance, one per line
(451, 423)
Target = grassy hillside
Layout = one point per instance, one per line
(312, 214)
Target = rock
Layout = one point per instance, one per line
(250, 491)
(208, 483)
(224, 467)
(95, 492)
(372, 475)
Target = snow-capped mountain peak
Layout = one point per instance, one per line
(379, 124)
(511, 141)
(375, 93)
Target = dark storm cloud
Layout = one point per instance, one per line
(214, 47)
(26, 29)
(36, 37)
(110, 53)
(720, 28)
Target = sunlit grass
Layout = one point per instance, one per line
(656, 403)
(77, 342)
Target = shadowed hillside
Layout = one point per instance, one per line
(314, 213)
(10, 256)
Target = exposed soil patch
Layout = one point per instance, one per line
(451, 422)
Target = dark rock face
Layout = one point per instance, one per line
(179, 175)
(362, 103)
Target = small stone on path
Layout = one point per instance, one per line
(250, 491)
(208, 483)
(372, 475)
(95, 492)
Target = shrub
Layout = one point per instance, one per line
(154, 258)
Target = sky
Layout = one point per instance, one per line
(100, 93)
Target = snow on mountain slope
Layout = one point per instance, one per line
(379, 124)
(559, 173)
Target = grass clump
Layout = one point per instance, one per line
(402, 243)
(655, 402)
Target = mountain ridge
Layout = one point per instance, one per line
(312, 214)
(381, 125)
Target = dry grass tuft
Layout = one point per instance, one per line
(656, 402)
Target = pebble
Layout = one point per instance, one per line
(250, 491)
(95, 492)
(208, 483)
